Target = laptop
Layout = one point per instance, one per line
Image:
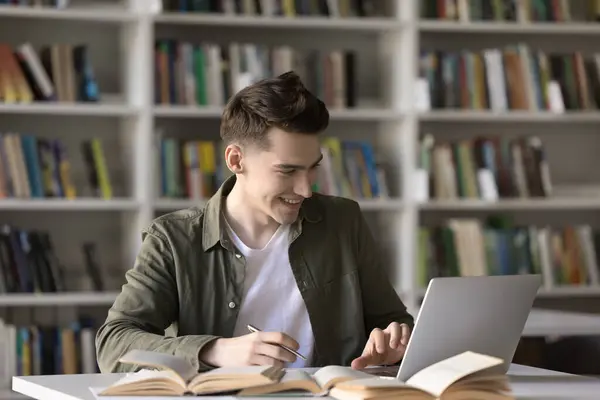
(484, 314)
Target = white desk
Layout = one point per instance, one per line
(528, 383)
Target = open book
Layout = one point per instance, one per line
(298, 380)
(463, 376)
(460, 377)
(174, 376)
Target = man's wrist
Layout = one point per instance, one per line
(208, 353)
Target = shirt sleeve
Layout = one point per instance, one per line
(146, 306)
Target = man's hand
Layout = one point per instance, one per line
(259, 348)
(384, 346)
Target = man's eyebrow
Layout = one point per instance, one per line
(295, 166)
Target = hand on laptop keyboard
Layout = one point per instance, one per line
(384, 347)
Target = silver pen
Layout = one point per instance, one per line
(254, 329)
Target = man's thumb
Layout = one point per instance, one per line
(360, 362)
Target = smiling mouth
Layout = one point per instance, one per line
(290, 201)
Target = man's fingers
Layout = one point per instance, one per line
(405, 334)
(360, 362)
(366, 359)
(278, 338)
(275, 352)
(395, 332)
(378, 338)
(259, 359)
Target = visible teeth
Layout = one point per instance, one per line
(291, 201)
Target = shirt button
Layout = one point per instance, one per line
(238, 256)
(231, 304)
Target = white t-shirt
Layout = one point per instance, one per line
(271, 300)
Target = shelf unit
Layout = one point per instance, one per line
(127, 117)
(394, 127)
(568, 137)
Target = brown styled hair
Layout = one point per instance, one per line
(282, 102)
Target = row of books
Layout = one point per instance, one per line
(56, 72)
(563, 255)
(522, 11)
(485, 168)
(30, 264)
(351, 168)
(287, 8)
(47, 350)
(209, 74)
(516, 77)
(195, 169)
(60, 4)
(35, 167)
(192, 169)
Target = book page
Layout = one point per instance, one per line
(259, 372)
(436, 378)
(294, 375)
(372, 383)
(145, 378)
(295, 382)
(146, 374)
(248, 375)
(160, 360)
(326, 377)
(97, 390)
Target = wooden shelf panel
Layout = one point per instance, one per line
(509, 116)
(82, 204)
(542, 204)
(57, 299)
(98, 13)
(101, 109)
(514, 28)
(261, 22)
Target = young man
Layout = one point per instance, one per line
(264, 251)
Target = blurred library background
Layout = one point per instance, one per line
(468, 131)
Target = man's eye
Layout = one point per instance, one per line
(288, 172)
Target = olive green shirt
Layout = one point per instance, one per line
(188, 279)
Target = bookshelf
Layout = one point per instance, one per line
(120, 36)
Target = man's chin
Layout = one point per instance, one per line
(286, 217)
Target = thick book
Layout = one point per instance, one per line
(464, 376)
(168, 375)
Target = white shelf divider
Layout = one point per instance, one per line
(514, 28)
(540, 204)
(106, 14)
(79, 204)
(260, 22)
(101, 109)
(74, 299)
(532, 117)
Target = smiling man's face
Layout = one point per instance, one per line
(277, 179)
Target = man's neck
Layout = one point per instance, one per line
(252, 226)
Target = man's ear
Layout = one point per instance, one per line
(234, 158)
